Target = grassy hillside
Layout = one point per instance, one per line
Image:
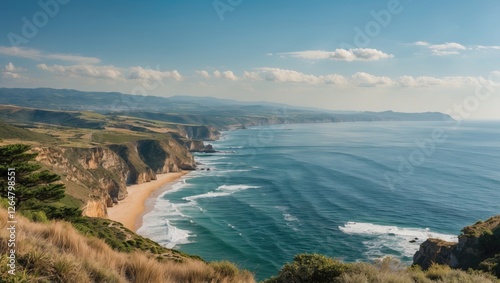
(320, 269)
(86, 129)
(56, 252)
(221, 113)
(15, 133)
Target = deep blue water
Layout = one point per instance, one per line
(354, 191)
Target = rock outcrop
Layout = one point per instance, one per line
(99, 170)
(198, 132)
(478, 247)
(101, 174)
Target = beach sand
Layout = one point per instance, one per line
(130, 210)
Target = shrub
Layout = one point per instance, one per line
(309, 268)
(225, 268)
(36, 216)
(438, 271)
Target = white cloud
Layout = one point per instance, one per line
(363, 79)
(111, 72)
(447, 46)
(229, 75)
(357, 54)
(34, 54)
(100, 72)
(334, 79)
(453, 48)
(282, 75)
(409, 81)
(291, 76)
(251, 75)
(12, 72)
(369, 80)
(203, 73)
(491, 47)
(9, 67)
(421, 43)
(426, 81)
(139, 73)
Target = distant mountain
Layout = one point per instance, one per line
(222, 113)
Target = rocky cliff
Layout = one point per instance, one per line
(102, 173)
(478, 248)
(198, 132)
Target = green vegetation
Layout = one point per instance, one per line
(314, 268)
(122, 239)
(29, 189)
(309, 268)
(16, 133)
(482, 227)
(56, 252)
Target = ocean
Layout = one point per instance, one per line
(354, 191)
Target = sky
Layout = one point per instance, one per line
(376, 55)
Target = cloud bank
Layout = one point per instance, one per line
(357, 54)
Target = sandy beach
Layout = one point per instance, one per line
(130, 210)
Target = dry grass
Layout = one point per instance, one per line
(367, 273)
(387, 270)
(56, 252)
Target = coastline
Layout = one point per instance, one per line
(129, 211)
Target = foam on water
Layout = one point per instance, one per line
(383, 238)
(224, 190)
(207, 195)
(233, 188)
(286, 215)
(158, 225)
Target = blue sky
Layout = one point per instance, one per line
(401, 55)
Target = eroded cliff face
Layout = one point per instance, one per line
(198, 132)
(98, 170)
(478, 248)
(103, 172)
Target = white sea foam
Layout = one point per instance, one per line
(235, 187)
(383, 237)
(221, 191)
(166, 234)
(211, 158)
(234, 170)
(163, 231)
(158, 223)
(206, 195)
(286, 215)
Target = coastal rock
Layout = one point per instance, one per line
(202, 132)
(100, 175)
(92, 173)
(478, 247)
(95, 208)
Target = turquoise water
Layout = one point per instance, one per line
(354, 191)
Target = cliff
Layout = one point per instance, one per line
(198, 132)
(478, 247)
(100, 174)
(58, 251)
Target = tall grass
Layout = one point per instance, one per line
(385, 271)
(56, 252)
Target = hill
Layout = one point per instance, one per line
(56, 252)
(14, 133)
(220, 113)
(478, 247)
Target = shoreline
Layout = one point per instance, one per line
(130, 210)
